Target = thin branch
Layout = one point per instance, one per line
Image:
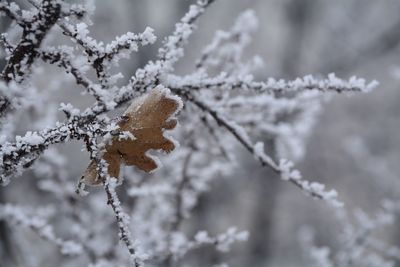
(64, 60)
(329, 84)
(19, 64)
(33, 34)
(283, 169)
(109, 184)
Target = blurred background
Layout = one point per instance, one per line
(355, 145)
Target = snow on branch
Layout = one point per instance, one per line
(63, 58)
(129, 41)
(60, 133)
(109, 184)
(18, 66)
(35, 29)
(145, 78)
(18, 155)
(97, 52)
(172, 49)
(284, 168)
(156, 206)
(330, 84)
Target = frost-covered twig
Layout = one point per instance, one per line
(330, 84)
(18, 66)
(338, 85)
(121, 216)
(99, 55)
(172, 49)
(13, 153)
(63, 59)
(277, 110)
(284, 168)
(14, 157)
(109, 184)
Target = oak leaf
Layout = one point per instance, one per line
(145, 121)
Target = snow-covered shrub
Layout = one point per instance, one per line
(223, 107)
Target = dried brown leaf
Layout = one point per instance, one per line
(146, 119)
